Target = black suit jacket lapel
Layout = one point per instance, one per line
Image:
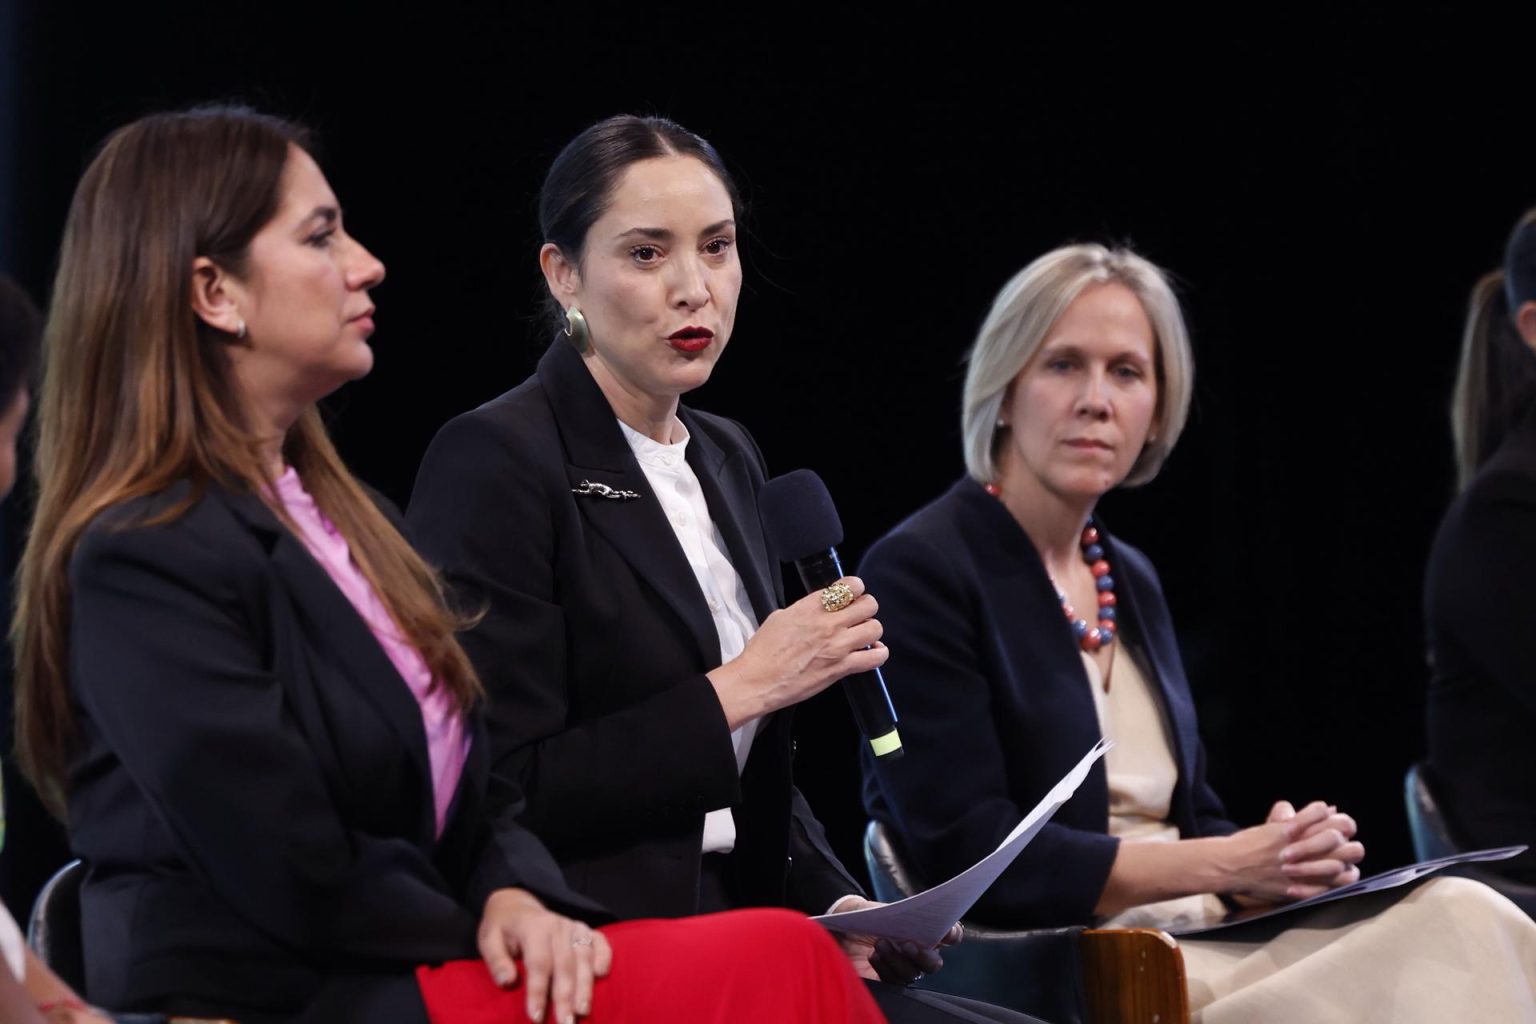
(596, 452)
(336, 624)
(727, 486)
(466, 815)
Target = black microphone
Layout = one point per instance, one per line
(803, 527)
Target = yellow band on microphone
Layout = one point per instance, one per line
(883, 745)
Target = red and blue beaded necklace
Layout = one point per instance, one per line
(1093, 637)
(1090, 638)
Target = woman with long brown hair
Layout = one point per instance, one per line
(30, 993)
(1478, 595)
(243, 685)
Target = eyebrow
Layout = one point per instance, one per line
(326, 215)
(664, 235)
(1068, 348)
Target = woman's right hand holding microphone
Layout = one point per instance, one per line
(799, 651)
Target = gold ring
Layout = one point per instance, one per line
(836, 597)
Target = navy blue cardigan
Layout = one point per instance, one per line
(995, 707)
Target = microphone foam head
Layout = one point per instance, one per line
(798, 515)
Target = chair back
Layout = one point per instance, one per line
(1432, 838)
(1426, 821)
(887, 873)
(53, 930)
(53, 933)
(1036, 970)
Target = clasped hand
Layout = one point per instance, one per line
(1296, 855)
(561, 957)
(881, 959)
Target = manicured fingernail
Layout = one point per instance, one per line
(535, 1013)
(503, 979)
(569, 1018)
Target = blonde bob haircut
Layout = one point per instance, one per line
(1023, 314)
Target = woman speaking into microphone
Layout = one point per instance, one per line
(244, 684)
(639, 666)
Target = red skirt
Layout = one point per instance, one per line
(743, 966)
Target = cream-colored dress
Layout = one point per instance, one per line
(1446, 950)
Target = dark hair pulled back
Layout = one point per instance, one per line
(580, 182)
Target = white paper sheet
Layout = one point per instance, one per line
(925, 917)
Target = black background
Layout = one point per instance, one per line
(1325, 194)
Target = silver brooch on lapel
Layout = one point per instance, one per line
(588, 489)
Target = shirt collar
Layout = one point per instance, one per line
(652, 453)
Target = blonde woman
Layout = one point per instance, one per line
(1029, 630)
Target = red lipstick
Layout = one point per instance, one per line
(691, 339)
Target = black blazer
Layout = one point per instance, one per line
(995, 707)
(250, 783)
(1480, 606)
(595, 642)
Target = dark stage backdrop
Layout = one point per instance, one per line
(1325, 203)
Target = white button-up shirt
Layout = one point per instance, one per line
(677, 488)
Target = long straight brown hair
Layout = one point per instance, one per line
(1496, 374)
(137, 394)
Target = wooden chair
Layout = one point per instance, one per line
(1065, 975)
(1133, 975)
(54, 935)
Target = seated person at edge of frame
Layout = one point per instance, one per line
(242, 683)
(1480, 586)
(29, 991)
(1028, 631)
(639, 666)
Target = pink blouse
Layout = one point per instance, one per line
(447, 742)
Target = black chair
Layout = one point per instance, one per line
(53, 930)
(1067, 975)
(1434, 837)
(54, 935)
